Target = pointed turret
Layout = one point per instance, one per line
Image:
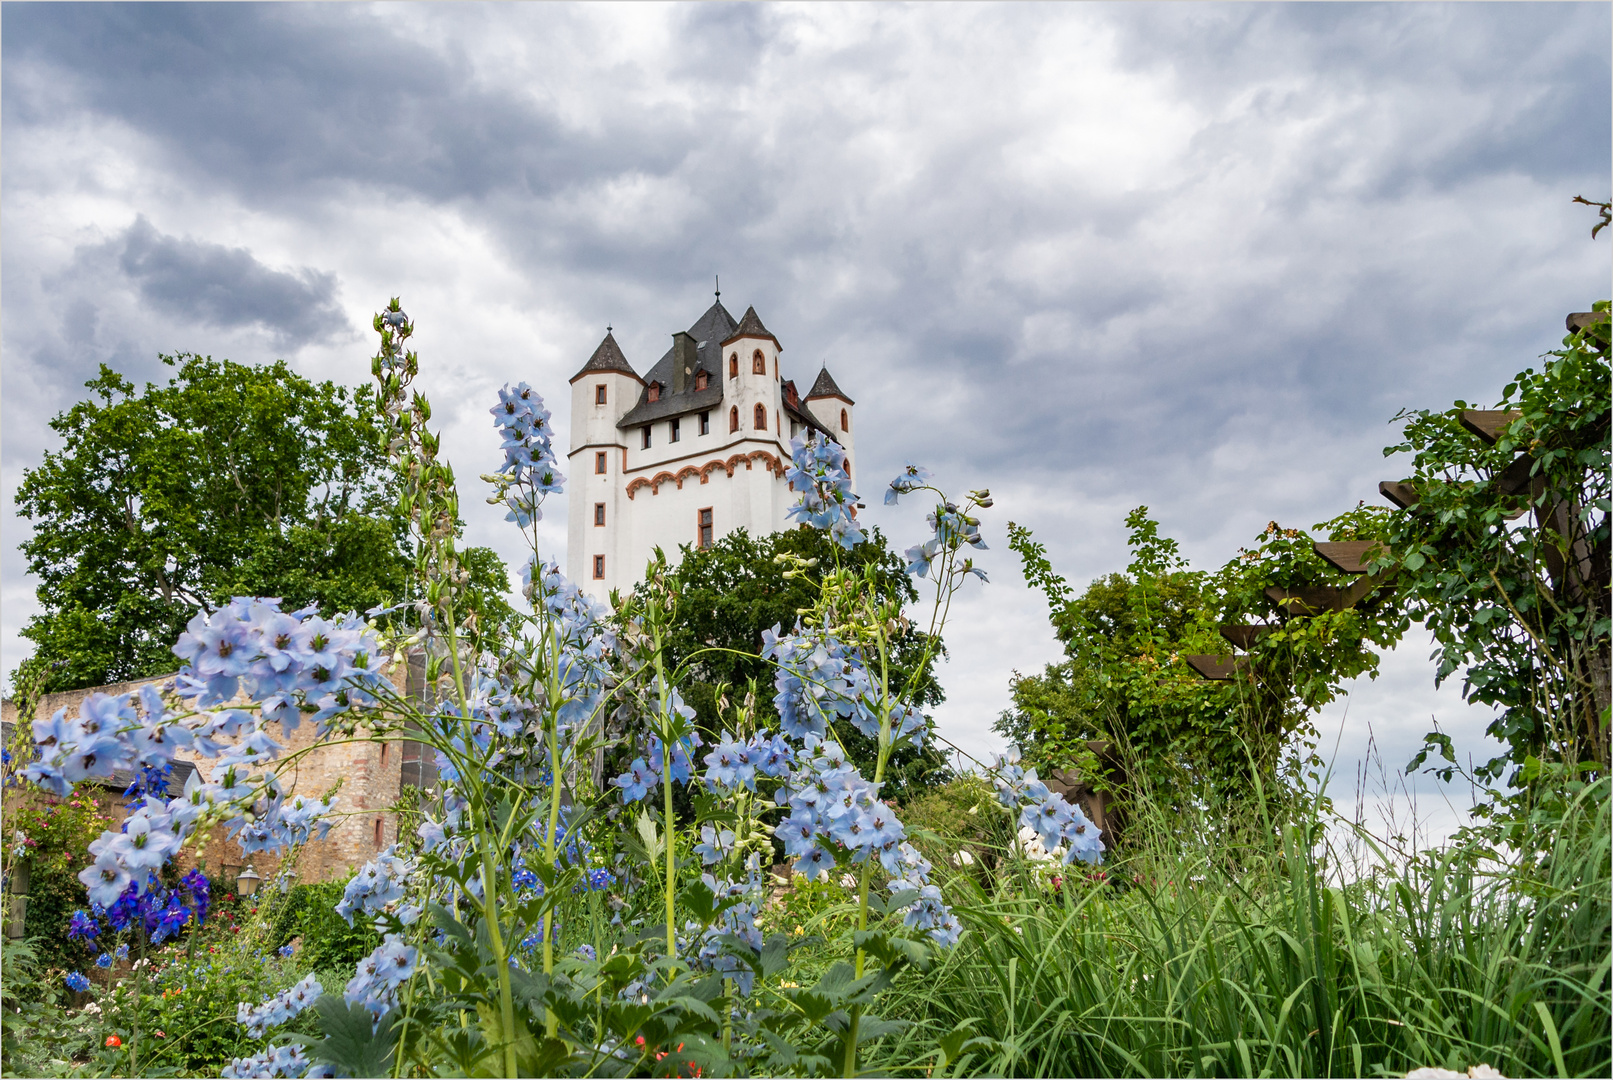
(750, 326)
(825, 387)
(608, 357)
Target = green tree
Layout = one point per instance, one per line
(1125, 679)
(728, 594)
(230, 480)
(1504, 555)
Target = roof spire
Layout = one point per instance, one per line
(718, 279)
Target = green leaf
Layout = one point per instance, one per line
(353, 1045)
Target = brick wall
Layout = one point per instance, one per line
(370, 775)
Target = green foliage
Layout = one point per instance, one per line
(230, 480)
(328, 943)
(61, 831)
(728, 594)
(960, 815)
(1519, 604)
(192, 1000)
(1124, 679)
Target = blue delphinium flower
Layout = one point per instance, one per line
(104, 960)
(1059, 823)
(81, 927)
(911, 478)
(76, 981)
(820, 472)
(284, 1006)
(380, 974)
(530, 470)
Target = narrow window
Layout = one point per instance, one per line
(705, 528)
(655, 391)
(845, 421)
(599, 514)
(760, 420)
(377, 833)
(705, 423)
(733, 418)
(599, 463)
(646, 436)
(599, 568)
(383, 755)
(599, 394)
(793, 426)
(700, 380)
(733, 365)
(758, 363)
(677, 430)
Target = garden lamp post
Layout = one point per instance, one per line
(247, 883)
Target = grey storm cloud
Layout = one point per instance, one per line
(1305, 218)
(216, 286)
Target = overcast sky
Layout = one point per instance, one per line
(1193, 256)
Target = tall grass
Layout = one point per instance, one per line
(1256, 951)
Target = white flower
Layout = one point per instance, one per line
(963, 858)
(847, 881)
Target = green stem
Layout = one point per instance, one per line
(506, 993)
(666, 785)
(551, 1023)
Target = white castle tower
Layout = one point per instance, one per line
(692, 451)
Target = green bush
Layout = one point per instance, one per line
(188, 1017)
(61, 832)
(328, 943)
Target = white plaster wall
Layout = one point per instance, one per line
(653, 496)
(593, 429)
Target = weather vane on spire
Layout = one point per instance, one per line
(718, 279)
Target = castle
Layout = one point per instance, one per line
(693, 450)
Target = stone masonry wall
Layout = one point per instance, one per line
(369, 775)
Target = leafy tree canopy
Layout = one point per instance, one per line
(231, 480)
(1125, 681)
(728, 594)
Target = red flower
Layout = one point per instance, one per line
(113, 1040)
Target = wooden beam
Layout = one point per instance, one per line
(1310, 600)
(1350, 555)
(1219, 668)
(1488, 424)
(1580, 320)
(1243, 637)
(1399, 492)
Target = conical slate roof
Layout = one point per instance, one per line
(608, 357)
(751, 326)
(825, 387)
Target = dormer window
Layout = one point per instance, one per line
(758, 363)
(655, 391)
(700, 380)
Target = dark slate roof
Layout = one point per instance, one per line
(751, 326)
(709, 332)
(799, 410)
(825, 387)
(608, 357)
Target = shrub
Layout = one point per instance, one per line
(61, 831)
(327, 941)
